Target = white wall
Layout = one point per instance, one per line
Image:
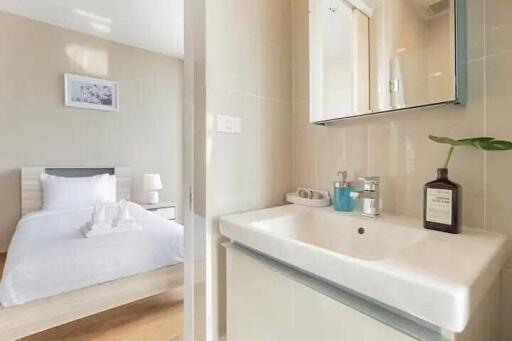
(36, 129)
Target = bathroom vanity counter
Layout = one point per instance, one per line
(432, 276)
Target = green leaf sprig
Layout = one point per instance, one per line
(482, 143)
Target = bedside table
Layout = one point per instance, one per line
(165, 210)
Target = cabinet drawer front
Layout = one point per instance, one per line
(303, 308)
(167, 213)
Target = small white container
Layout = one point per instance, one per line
(323, 201)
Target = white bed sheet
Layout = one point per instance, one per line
(48, 254)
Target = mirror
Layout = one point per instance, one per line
(374, 56)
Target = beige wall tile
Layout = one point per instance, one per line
(300, 61)
(252, 169)
(475, 12)
(499, 121)
(274, 49)
(303, 147)
(249, 75)
(231, 43)
(498, 26)
(506, 305)
(256, 57)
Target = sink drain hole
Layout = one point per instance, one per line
(360, 230)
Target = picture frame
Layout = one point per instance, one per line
(91, 93)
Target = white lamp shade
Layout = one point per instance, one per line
(152, 182)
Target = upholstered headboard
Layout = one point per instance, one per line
(31, 193)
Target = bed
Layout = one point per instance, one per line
(53, 275)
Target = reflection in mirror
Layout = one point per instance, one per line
(371, 56)
(412, 54)
(339, 59)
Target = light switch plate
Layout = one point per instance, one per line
(228, 124)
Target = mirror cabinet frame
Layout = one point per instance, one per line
(460, 67)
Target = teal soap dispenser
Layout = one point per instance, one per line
(342, 198)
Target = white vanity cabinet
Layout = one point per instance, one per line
(265, 304)
(268, 301)
(301, 273)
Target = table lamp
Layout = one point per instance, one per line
(152, 184)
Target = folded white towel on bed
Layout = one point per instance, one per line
(104, 229)
(92, 229)
(100, 226)
(124, 218)
(99, 215)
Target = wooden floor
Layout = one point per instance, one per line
(155, 318)
(2, 263)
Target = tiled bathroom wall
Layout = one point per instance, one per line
(248, 75)
(396, 147)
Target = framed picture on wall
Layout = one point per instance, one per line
(91, 93)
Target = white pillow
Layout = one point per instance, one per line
(64, 193)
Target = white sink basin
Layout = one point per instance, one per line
(434, 276)
(359, 239)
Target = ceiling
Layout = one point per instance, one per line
(155, 25)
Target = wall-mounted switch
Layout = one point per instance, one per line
(228, 124)
(394, 86)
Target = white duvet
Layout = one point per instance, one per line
(48, 254)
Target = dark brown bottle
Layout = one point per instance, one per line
(441, 204)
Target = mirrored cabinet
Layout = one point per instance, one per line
(375, 56)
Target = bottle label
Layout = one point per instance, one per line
(439, 206)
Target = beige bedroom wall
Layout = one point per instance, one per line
(396, 147)
(37, 129)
